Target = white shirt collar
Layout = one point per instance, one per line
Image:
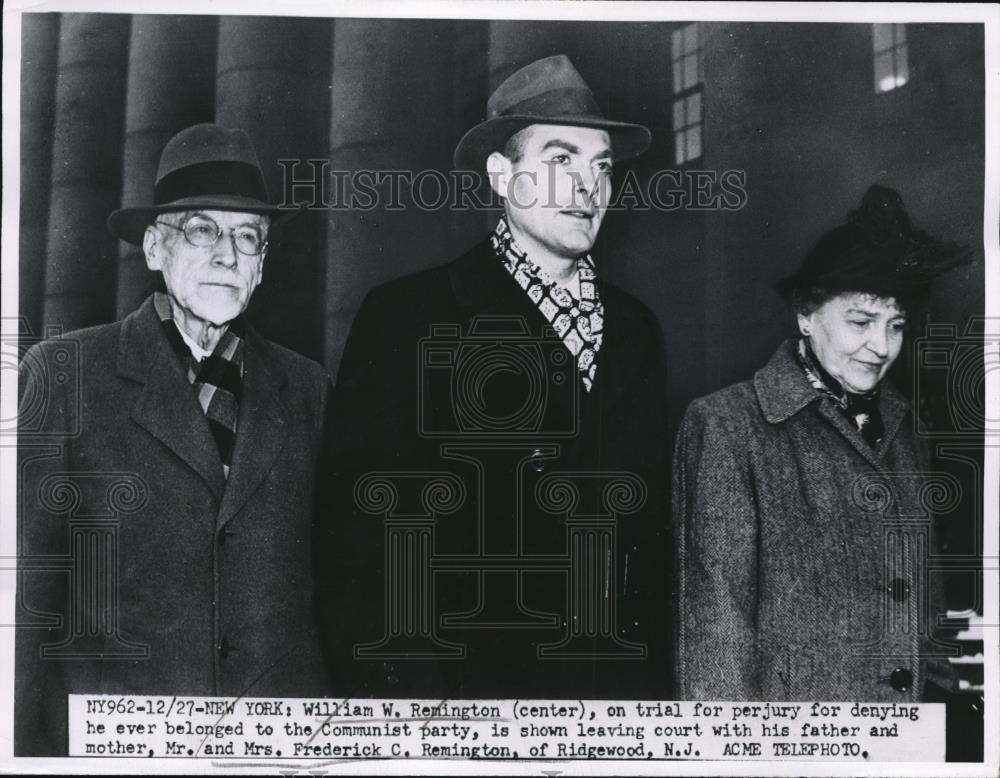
(197, 351)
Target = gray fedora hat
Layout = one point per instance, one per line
(204, 166)
(548, 91)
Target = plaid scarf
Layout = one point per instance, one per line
(860, 409)
(217, 379)
(580, 323)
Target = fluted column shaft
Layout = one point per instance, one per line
(171, 85)
(273, 80)
(86, 169)
(39, 48)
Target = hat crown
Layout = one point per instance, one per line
(876, 251)
(204, 166)
(207, 160)
(533, 81)
(546, 91)
(205, 143)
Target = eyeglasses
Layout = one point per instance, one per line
(204, 232)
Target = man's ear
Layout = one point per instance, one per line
(151, 248)
(498, 170)
(266, 225)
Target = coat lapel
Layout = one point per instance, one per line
(485, 291)
(261, 430)
(167, 408)
(483, 287)
(620, 361)
(831, 413)
(782, 391)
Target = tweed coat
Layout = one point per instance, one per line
(400, 386)
(802, 551)
(214, 584)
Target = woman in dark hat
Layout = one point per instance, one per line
(799, 496)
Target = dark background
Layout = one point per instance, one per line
(792, 105)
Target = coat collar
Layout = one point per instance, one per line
(170, 412)
(481, 283)
(783, 391)
(262, 429)
(483, 287)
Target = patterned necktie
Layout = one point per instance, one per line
(579, 322)
(217, 379)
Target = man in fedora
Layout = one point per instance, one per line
(497, 522)
(184, 452)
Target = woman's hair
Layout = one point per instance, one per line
(806, 300)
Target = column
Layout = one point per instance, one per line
(410, 609)
(394, 89)
(171, 85)
(86, 170)
(39, 51)
(273, 80)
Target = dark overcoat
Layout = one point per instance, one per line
(804, 554)
(465, 443)
(143, 570)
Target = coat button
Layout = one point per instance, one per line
(901, 679)
(899, 589)
(224, 648)
(537, 461)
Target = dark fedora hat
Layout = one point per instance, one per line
(548, 91)
(204, 166)
(876, 251)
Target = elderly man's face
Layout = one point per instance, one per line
(557, 191)
(211, 282)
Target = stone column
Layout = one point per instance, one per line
(171, 85)
(39, 50)
(392, 115)
(273, 80)
(86, 169)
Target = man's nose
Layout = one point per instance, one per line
(224, 250)
(586, 182)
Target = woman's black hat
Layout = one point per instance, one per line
(876, 252)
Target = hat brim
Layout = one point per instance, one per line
(900, 289)
(129, 224)
(627, 140)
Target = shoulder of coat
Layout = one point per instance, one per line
(730, 407)
(92, 344)
(298, 363)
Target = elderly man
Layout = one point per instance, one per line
(498, 523)
(167, 485)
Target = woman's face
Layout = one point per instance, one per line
(856, 338)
